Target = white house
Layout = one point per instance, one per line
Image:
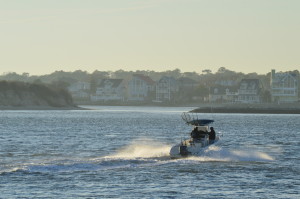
(140, 87)
(166, 89)
(222, 94)
(284, 87)
(110, 90)
(249, 91)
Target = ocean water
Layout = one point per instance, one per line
(122, 152)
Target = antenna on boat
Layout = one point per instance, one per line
(186, 117)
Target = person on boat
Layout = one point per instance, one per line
(194, 132)
(212, 135)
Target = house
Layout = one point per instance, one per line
(217, 94)
(222, 94)
(166, 89)
(249, 91)
(284, 87)
(140, 88)
(80, 90)
(110, 90)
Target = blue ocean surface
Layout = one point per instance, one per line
(123, 152)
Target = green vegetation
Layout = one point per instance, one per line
(16, 93)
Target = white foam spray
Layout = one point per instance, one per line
(217, 153)
(143, 148)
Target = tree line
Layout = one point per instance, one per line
(18, 93)
(206, 77)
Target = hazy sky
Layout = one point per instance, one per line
(41, 36)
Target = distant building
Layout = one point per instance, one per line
(221, 94)
(284, 87)
(166, 89)
(110, 90)
(140, 87)
(80, 90)
(217, 94)
(249, 91)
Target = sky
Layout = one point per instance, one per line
(42, 36)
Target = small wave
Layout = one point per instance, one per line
(95, 164)
(10, 170)
(68, 167)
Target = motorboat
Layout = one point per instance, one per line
(199, 137)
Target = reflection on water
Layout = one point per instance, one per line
(116, 152)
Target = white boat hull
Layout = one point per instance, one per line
(191, 148)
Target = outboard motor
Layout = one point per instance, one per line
(183, 150)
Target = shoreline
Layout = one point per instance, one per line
(251, 109)
(39, 108)
(202, 108)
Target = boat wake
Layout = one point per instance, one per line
(139, 153)
(146, 153)
(217, 153)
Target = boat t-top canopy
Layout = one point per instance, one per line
(192, 119)
(200, 122)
